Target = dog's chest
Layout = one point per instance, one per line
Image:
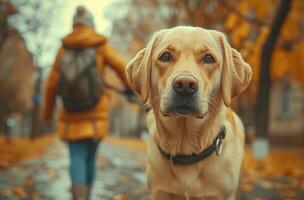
(202, 180)
(186, 176)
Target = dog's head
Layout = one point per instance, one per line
(183, 69)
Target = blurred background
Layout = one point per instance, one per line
(269, 35)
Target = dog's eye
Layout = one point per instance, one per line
(165, 57)
(209, 59)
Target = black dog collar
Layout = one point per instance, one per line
(180, 159)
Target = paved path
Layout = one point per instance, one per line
(120, 173)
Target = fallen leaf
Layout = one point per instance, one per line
(18, 149)
(141, 189)
(18, 191)
(38, 194)
(247, 187)
(124, 178)
(258, 198)
(28, 182)
(120, 197)
(288, 194)
(4, 164)
(52, 174)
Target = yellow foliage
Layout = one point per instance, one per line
(279, 64)
(243, 6)
(261, 9)
(292, 26)
(297, 68)
(239, 33)
(17, 149)
(289, 62)
(284, 61)
(231, 21)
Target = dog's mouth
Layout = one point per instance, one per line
(183, 110)
(177, 105)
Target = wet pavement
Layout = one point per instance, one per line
(120, 173)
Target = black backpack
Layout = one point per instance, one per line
(80, 83)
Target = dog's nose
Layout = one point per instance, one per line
(185, 84)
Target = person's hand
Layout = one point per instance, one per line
(128, 92)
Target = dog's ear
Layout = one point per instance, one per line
(138, 70)
(236, 73)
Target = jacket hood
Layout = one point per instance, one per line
(83, 36)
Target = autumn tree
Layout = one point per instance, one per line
(262, 105)
(16, 86)
(272, 55)
(24, 26)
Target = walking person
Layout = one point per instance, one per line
(77, 77)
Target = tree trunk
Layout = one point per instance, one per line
(262, 107)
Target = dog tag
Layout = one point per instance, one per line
(218, 146)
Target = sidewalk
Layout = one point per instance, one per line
(120, 175)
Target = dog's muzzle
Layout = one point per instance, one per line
(184, 95)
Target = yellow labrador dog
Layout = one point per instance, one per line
(188, 75)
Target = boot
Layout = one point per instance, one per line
(79, 192)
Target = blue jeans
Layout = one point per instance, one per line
(82, 163)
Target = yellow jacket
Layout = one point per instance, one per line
(92, 123)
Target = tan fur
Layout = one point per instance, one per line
(230, 118)
(217, 176)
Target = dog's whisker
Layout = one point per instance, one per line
(212, 104)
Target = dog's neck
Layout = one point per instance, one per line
(187, 135)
